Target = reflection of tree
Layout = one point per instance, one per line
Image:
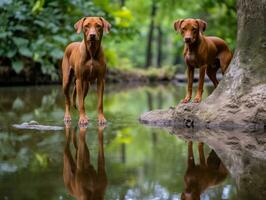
(199, 177)
(150, 107)
(123, 153)
(151, 100)
(80, 177)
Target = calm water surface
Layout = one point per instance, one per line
(124, 160)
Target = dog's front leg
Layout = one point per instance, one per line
(100, 90)
(190, 76)
(83, 119)
(198, 96)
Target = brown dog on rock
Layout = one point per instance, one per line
(203, 52)
(84, 61)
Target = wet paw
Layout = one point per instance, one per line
(83, 121)
(101, 120)
(186, 100)
(67, 119)
(197, 100)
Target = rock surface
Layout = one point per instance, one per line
(246, 111)
(33, 125)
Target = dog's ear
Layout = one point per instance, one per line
(78, 25)
(177, 24)
(106, 25)
(202, 25)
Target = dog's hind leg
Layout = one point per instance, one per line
(225, 59)
(74, 95)
(212, 71)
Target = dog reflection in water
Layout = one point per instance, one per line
(81, 179)
(201, 176)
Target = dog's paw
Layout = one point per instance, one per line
(83, 121)
(101, 120)
(67, 119)
(186, 100)
(197, 100)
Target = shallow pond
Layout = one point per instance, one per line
(124, 160)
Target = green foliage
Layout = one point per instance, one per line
(37, 31)
(41, 29)
(220, 16)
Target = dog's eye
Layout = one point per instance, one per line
(98, 26)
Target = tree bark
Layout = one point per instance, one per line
(159, 46)
(122, 3)
(150, 36)
(240, 98)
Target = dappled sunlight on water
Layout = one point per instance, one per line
(124, 160)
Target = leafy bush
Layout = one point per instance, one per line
(36, 32)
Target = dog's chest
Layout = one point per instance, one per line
(91, 69)
(191, 59)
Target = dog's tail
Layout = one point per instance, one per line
(74, 96)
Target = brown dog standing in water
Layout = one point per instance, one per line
(206, 53)
(86, 63)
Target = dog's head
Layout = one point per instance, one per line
(92, 27)
(190, 29)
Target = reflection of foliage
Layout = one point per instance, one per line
(155, 161)
(12, 159)
(123, 136)
(20, 151)
(40, 161)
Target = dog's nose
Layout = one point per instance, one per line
(92, 35)
(187, 39)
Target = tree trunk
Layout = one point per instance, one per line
(159, 46)
(240, 98)
(150, 36)
(122, 3)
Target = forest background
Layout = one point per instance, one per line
(34, 33)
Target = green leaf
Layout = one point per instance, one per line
(60, 39)
(38, 6)
(47, 68)
(57, 53)
(40, 23)
(19, 28)
(20, 41)
(25, 51)
(3, 35)
(17, 66)
(11, 53)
